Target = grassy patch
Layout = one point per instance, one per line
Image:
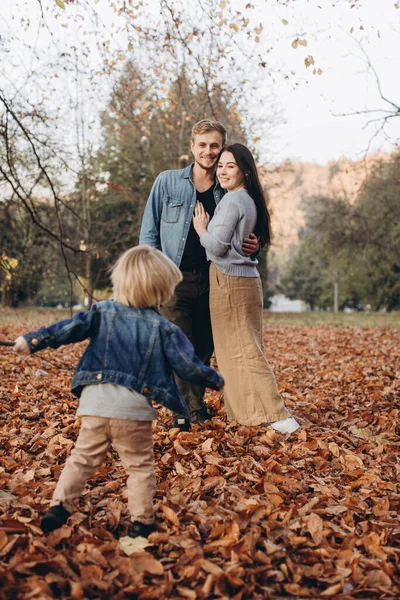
(28, 317)
(318, 319)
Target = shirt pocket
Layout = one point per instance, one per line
(171, 209)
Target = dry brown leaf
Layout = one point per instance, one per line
(146, 562)
(378, 579)
(210, 567)
(315, 526)
(170, 515)
(131, 545)
(332, 590)
(207, 445)
(330, 530)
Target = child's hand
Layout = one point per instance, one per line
(21, 346)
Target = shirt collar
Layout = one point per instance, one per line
(187, 174)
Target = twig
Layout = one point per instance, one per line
(10, 344)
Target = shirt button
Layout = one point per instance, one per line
(99, 376)
(34, 342)
(146, 390)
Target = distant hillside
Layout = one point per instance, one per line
(289, 183)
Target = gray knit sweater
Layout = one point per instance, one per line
(234, 219)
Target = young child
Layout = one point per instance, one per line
(130, 361)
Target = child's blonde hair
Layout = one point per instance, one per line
(143, 277)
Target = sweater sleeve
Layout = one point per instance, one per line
(224, 222)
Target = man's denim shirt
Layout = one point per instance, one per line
(132, 347)
(169, 210)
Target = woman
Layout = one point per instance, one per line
(251, 394)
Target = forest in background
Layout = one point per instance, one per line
(337, 241)
(86, 127)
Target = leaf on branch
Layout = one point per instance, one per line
(285, 22)
(60, 4)
(234, 26)
(309, 60)
(303, 42)
(295, 43)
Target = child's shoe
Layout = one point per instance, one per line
(288, 425)
(138, 529)
(55, 518)
(182, 422)
(204, 414)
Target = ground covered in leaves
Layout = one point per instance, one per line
(243, 512)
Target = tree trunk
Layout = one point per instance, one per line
(6, 297)
(335, 291)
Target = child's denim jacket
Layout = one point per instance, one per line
(136, 348)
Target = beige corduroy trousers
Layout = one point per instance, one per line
(251, 395)
(133, 440)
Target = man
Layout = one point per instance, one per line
(167, 224)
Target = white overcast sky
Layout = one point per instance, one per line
(309, 128)
(312, 129)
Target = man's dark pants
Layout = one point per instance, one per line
(189, 309)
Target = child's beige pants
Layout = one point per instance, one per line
(133, 441)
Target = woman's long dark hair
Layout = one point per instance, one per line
(247, 165)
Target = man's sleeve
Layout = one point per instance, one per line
(150, 229)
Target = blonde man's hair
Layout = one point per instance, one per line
(143, 277)
(208, 125)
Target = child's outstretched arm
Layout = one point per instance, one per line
(185, 363)
(69, 331)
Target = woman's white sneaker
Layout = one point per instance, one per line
(288, 425)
